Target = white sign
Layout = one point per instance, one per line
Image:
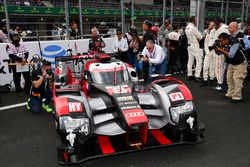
(50, 50)
(22, 68)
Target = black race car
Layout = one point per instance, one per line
(103, 109)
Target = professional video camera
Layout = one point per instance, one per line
(215, 45)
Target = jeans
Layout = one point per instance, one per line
(35, 103)
(157, 69)
(132, 58)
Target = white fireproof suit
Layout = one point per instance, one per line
(194, 51)
(210, 57)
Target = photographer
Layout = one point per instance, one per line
(42, 80)
(237, 68)
(155, 56)
(220, 65)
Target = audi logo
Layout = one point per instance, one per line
(134, 114)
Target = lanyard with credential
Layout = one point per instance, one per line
(152, 55)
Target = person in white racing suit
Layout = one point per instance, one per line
(194, 51)
(210, 57)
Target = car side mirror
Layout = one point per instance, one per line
(133, 74)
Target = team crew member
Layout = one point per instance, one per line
(220, 66)
(42, 80)
(173, 49)
(155, 56)
(210, 57)
(120, 46)
(194, 51)
(18, 53)
(96, 43)
(237, 68)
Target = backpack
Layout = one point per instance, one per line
(246, 41)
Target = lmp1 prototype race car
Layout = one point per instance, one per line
(103, 109)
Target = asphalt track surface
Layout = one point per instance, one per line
(28, 140)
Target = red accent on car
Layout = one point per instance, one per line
(144, 133)
(70, 78)
(129, 65)
(57, 71)
(61, 104)
(86, 68)
(135, 116)
(160, 137)
(104, 57)
(105, 145)
(65, 156)
(185, 91)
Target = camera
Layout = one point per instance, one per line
(215, 45)
(141, 56)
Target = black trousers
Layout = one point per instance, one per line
(17, 80)
(123, 56)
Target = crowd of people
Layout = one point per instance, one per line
(217, 58)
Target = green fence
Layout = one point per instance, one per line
(86, 11)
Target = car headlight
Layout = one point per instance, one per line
(177, 111)
(71, 124)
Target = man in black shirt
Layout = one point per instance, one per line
(42, 80)
(148, 35)
(96, 43)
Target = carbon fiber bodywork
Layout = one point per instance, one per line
(109, 119)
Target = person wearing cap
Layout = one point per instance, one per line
(18, 54)
(120, 46)
(42, 80)
(96, 42)
(155, 56)
(194, 51)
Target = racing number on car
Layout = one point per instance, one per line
(177, 96)
(75, 107)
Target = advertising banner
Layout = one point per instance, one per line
(50, 49)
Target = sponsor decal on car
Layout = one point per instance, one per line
(75, 106)
(118, 89)
(177, 96)
(135, 114)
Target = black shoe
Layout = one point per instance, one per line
(233, 101)
(190, 78)
(204, 84)
(198, 80)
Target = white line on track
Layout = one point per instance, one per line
(13, 106)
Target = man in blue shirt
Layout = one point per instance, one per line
(237, 65)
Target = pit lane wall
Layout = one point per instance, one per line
(50, 49)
